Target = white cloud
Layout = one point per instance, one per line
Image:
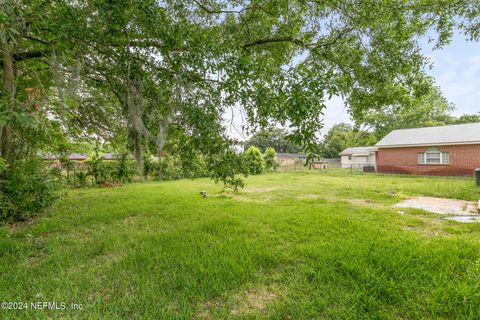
(457, 72)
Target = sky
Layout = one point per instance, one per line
(456, 70)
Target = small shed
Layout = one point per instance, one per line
(286, 159)
(358, 157)
(111, 156)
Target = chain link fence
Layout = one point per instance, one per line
(329, 165)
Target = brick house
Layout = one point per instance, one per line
(448, 150)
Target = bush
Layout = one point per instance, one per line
(269, 157)
(80, 179)
(125, 169)
(148, 167)
(95, 168)
(169, 168)
(254, 161)
(27, 188)
(194, 167)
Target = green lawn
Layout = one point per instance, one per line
(299, 245)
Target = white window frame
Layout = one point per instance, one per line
(433, 157)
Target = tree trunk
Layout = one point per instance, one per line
(135, 109)
(139, 154)
(9, 90)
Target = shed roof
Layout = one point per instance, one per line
(111, 156)
(291, 155)
(77, 156)
(443, 135)
(357, 150)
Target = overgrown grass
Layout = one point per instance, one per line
(300, 245)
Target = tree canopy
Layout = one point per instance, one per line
(276, 138)
(153, 75)
(342, 136)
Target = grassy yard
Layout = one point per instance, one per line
(299, 245)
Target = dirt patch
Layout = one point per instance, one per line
(254, 200)
(440, 205)
(246, 303)
(34, 261)
(359, 202)
(465, 219)
(114, 184)
(21, 225)
(309, 197)
(254, 300)
(426, 232)
(133, 219)
(259, 189)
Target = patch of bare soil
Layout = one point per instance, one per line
(254, 300)
(359, 202)
(248, 302)
(131, 219)
(427, 232)
(309, 197)
(114, 184)
(243, 198)
(440, 205)
(259, 189)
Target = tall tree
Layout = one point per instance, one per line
(429, 110)
(275, 138)
(140, 70)
(344, 135)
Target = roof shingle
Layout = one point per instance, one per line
(357, 150)
(453, 134)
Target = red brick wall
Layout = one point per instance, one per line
(464, 159)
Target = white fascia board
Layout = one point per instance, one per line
(429, 144)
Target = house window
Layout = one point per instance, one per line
(349, 157)
(433, 156)
(445, 158)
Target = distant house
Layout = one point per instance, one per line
(71, 157)
(358, 157)
(290, 158)
(82, 157)
(111, 156)
(325, 163)
(447, 150)
(77, 157)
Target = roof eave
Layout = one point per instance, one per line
(427, 144)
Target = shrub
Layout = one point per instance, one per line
(194, 167)
(169, 168)
(254, 161)
(148, 167)
(3, 165)
(269, 156)
(80, 178)
(125, 169)
(27, 188)
(95, 168)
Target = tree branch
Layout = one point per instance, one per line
(298, 42)
(153, 43)
(212, 11)
(17, 57)
(35, 39)
(276, 40)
